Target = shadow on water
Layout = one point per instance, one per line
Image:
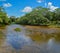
(30, 40)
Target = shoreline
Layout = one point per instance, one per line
(43, 26)
(36, 26)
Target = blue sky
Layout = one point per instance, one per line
(20, 7)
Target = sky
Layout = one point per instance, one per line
(20, 7)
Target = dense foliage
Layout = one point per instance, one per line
(4, 20)
(40, 16)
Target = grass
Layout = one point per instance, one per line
(1, 35)
(17, 29)
(54, 26)
(41, 37)
(3, 27)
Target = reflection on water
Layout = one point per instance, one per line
(16, 39)
(30, 40)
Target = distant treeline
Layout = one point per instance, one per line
(38, 16)
(41, 16)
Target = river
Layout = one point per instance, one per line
(29, 40)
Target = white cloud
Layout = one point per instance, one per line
(27, 9)
(49, 4)
(51, 7)
(39, 1)
(7, 5)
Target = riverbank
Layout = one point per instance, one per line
(50, 26)
(54, 26)
(45, 26)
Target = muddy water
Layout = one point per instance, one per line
(29, 40)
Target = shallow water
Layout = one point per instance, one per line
(29, 40)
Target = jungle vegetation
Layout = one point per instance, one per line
(38, 16)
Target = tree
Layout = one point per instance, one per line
(3, 17)
(12, 18)
(36, 17)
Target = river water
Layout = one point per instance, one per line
(29, 40)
